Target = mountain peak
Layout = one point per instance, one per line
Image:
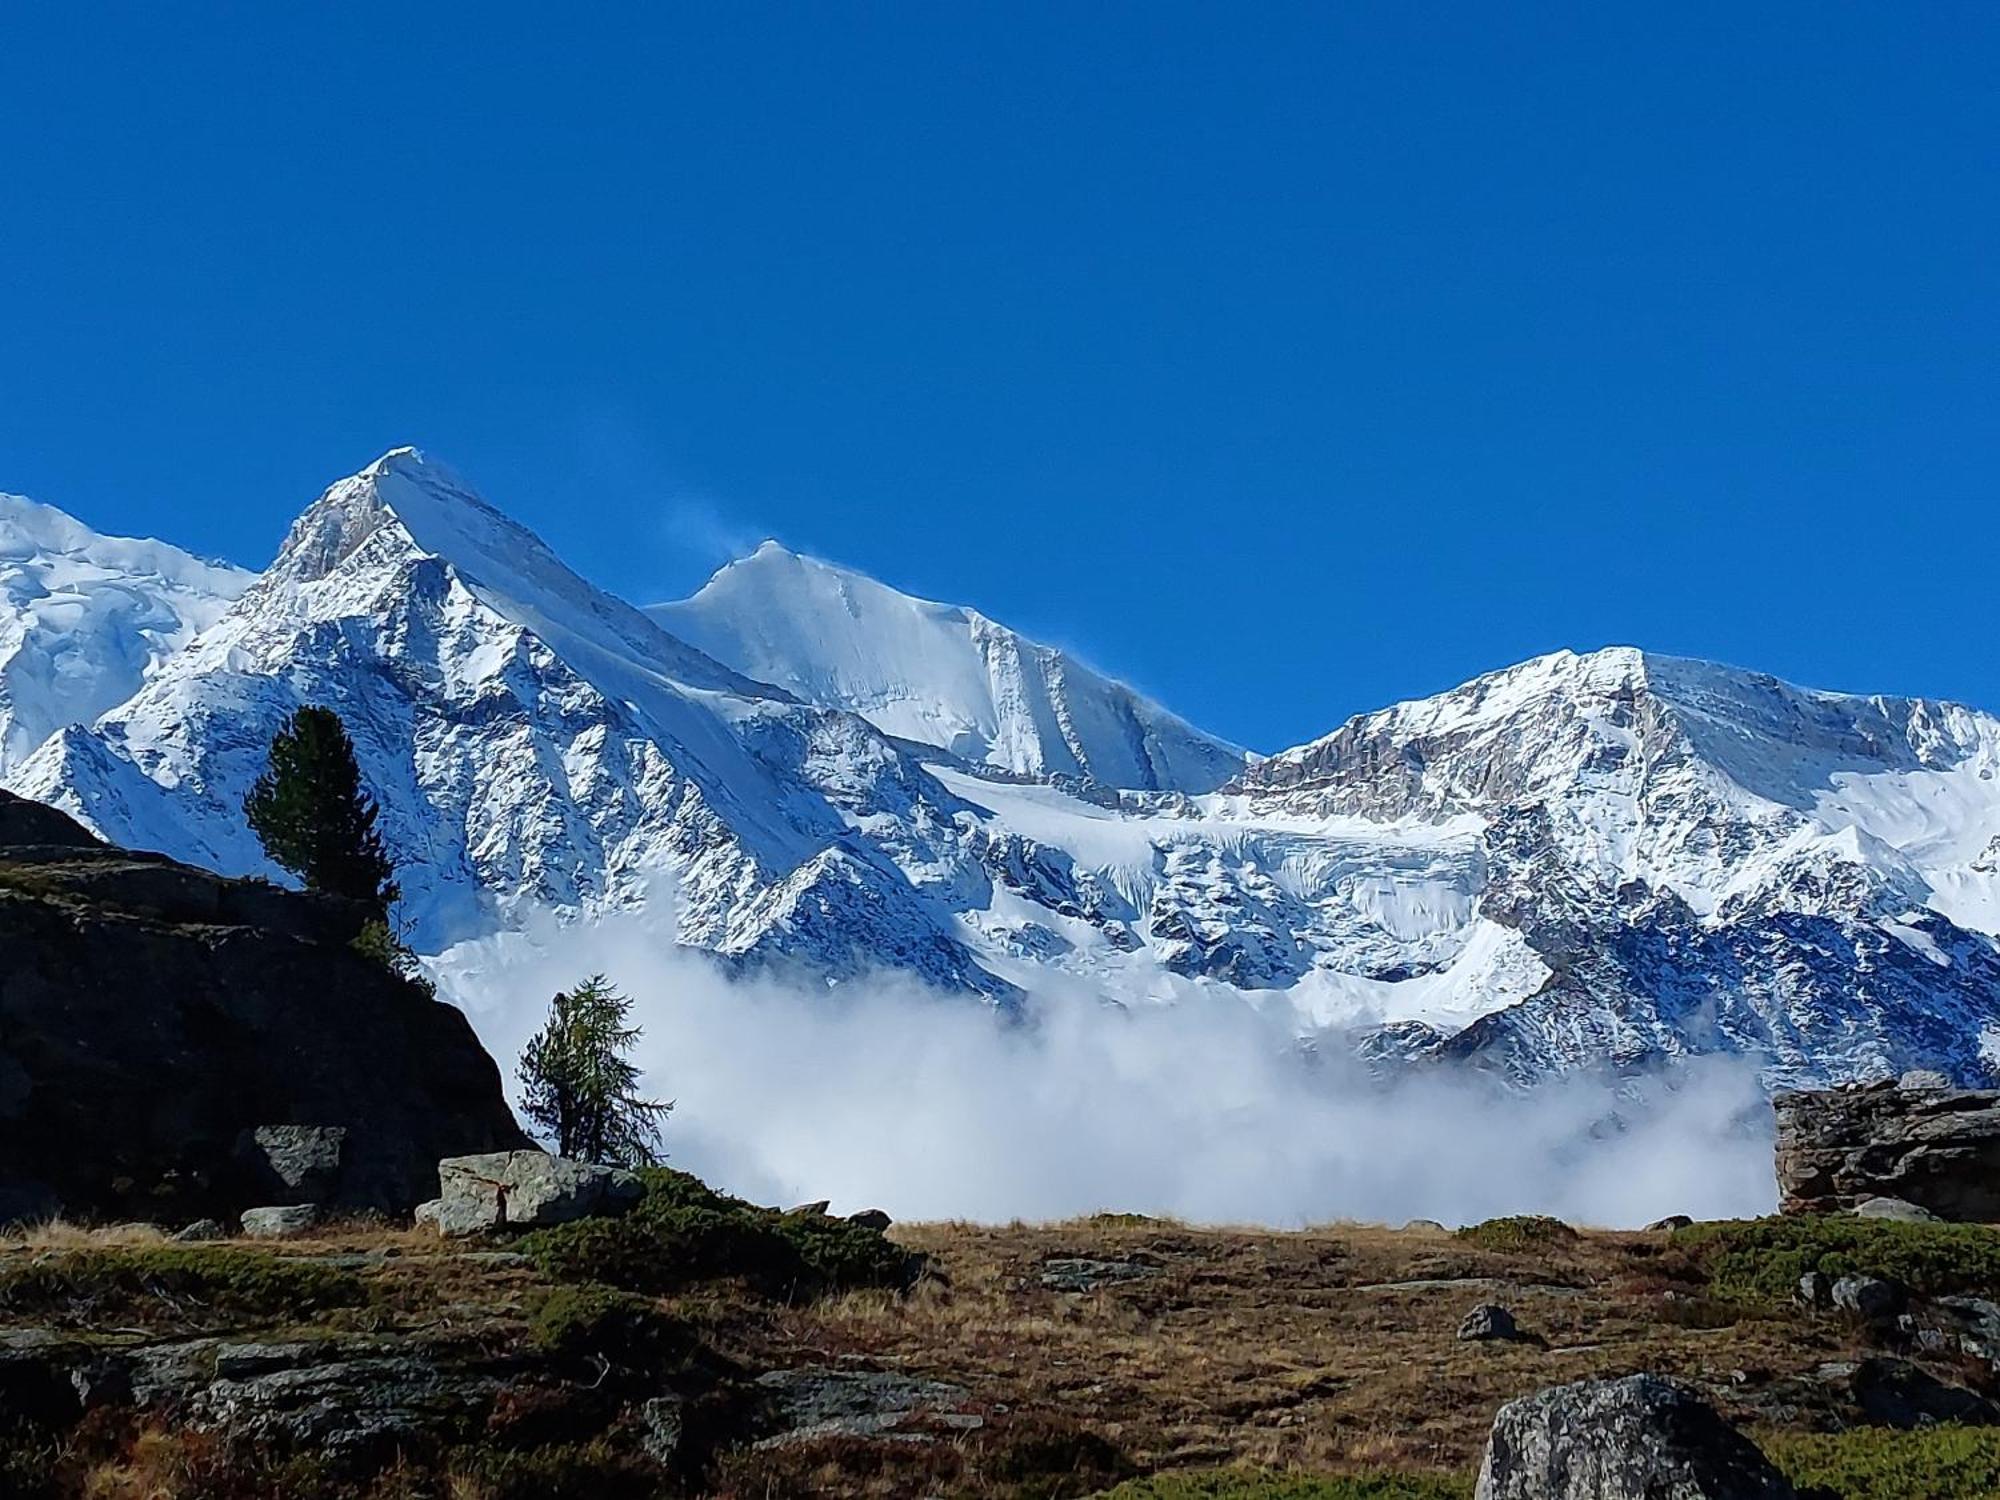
(939, 674)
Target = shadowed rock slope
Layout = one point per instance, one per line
(154, 1017)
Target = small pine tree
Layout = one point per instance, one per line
(315, 818)
(582, 1089)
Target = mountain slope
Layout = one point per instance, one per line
(85, 618)
(940, 675)
(532, 741)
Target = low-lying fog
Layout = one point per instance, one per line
(878, 1094)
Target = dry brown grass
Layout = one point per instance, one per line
(61, 1234)
(1295, 1350)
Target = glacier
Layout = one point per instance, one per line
(85, 619)
(1598, 861)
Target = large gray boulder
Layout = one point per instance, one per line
(1937, 1149)
(1640, 1438)
(524, 1190)
(280, 1221)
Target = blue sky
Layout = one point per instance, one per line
(1285, 360)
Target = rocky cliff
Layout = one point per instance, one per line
(1933, 1146)
(157, 1023)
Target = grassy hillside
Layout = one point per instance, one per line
(705, 1347)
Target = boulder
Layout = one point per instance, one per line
(871, 1218)
(1924, 1078)
(201, 1231)
(1898, 1209)
(1870, 1298)
(157, 1016)
(1488, 1321)
(524, 1190)
(1642, 1437)
(662, 1428)
(1670, 1222)
(1965, 1325)
(1816, 1290)
(280, 1220)
(1895, 1393)
(1935, 1148)
(294, 1163)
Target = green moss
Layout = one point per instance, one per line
(599, 1320)
(1875, 1463)
(682, 1232)
(172, 1283)
(1763, 1259)
(1253, 1484)
(1518, 1234)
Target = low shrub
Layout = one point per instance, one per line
(1877, 1463)
(171, 1283)
(682, 1232)
(1763, 1259)
(1518, 1234)
(1255, 1484)
(589, 1320)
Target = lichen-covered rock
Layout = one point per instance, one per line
(279, 1221)
(820, 1402)
(200, 1232)
(343, 1406)
(524, 1190)
(1899, 1210)
(1869, 1298)
(1640, 1438)
(1075, 1274)
(1935, 1148)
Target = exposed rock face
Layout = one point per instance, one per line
(822, 1402)
(174, 1044)
(1640, 1438)
(1935, 1148)
(1488, 1321)
(524, 1190)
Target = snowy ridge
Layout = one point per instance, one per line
(1578, 862)
(940, 675)
(85, 618)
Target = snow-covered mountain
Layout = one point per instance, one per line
(940, 675)
(1606, 858)
(85, 618)
(532, 741)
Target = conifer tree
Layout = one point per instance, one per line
(582, 1088)
(315, 818)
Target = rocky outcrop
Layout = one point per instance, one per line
(524, 1190)
(176, 1045)
(1639, 1438)
(1935, 1148)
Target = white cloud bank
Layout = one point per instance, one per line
(881, 1095)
